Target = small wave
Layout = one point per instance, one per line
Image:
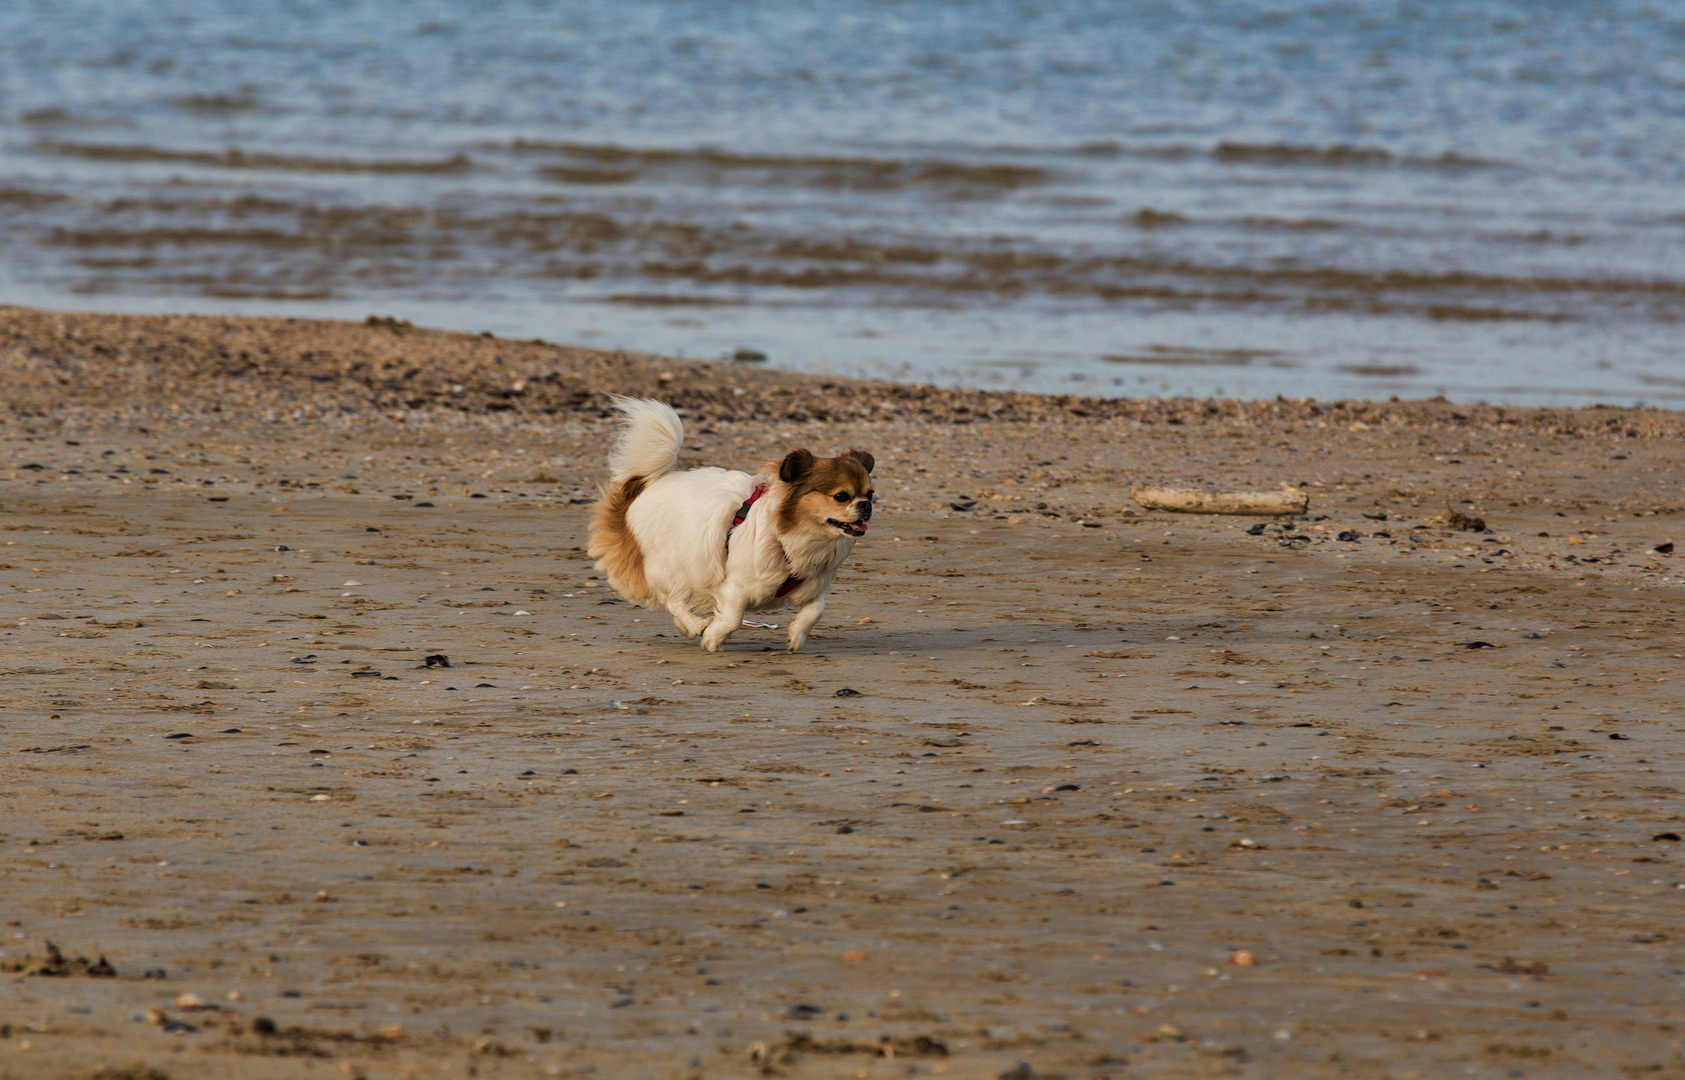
(186, 236)
(864, 174)
(1294, 154)
(671, 300)
(1380, 371)
(1278, 153)
(1183, 355)
(239, 206)
(216, 103)
(1148, 218)
(240, 159)
(1339, 157)
(48, 115)
(1464, 313)
(235, 292)
(28, 199)
(852, 250)
(1297, 224)
(563, 174)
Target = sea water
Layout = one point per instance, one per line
(1476, 198)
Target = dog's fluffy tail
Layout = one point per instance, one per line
(649, 440)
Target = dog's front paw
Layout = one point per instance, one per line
(797, 642)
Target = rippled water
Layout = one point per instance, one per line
(1482, 199)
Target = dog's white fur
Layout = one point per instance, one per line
(681, 521)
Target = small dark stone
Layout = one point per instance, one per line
(282, 547)
(803, 1012)
(422, 504)
(154, 973)
(748, 356)
(1664, 549)
(262, 1025)
(436, 660)
(1618, 737)
(229, 731)
(1480, 645)
(1256, 530)
(1348, 536)
(180, 735)
(1673, 836)
(845, 829)
(846, 692)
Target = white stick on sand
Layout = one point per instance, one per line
(1265, 503)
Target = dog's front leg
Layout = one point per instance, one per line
(804, 620)
(728, 616)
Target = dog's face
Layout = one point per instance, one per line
(831, 495)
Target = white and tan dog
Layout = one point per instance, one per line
(719, 542)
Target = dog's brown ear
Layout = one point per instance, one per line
(796, 466)
(866, 460)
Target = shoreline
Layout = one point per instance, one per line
(308, 368)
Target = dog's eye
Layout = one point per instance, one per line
(841, 496)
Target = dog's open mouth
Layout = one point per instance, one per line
(852, 528)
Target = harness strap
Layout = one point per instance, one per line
(743, 512)
(791, 582)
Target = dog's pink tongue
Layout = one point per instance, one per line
(862, 526)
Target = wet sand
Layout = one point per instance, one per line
(1058, 781)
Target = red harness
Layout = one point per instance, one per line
(790, 583)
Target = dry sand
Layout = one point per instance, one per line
(1051, 770)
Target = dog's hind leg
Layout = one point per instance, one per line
(728, 617)
(688, 621)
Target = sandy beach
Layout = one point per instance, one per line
(1060, 787)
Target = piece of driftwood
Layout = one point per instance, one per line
(1181, 500)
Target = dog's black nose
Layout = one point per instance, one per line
(864, 509)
